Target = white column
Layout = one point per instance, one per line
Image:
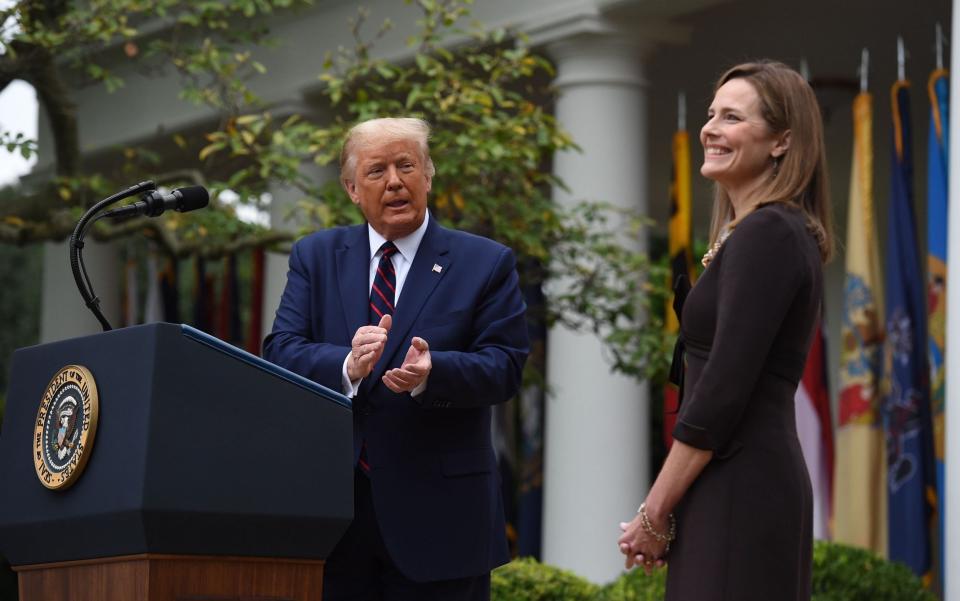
(64, 314)
(597, 422)
(951, 503)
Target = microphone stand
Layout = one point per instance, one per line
(76, 248)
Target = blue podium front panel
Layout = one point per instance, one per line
(200, 449)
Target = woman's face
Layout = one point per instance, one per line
(738, 145)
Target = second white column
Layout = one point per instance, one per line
(597, 422)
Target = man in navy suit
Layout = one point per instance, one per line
(424, 327)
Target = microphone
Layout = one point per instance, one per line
(153, 204)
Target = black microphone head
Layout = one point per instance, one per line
(191, 198)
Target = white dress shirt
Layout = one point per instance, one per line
(402, 260)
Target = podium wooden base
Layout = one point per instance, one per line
(173, 578)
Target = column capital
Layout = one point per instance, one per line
(591, 49)
(573, 30)
(588, 59)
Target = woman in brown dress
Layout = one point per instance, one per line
(731, 509)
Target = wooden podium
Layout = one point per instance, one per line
(212, 475)
(173, 578)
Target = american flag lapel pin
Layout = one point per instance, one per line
(437, 268)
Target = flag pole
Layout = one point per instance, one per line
(864, 69)
(939, 46)
(952, 359)
(681, 111)
(901, 59)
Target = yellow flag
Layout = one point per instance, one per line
(860, 495)
(681, 261)
(681, 251)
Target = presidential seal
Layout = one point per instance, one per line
(65, 427)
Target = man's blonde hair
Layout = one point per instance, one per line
(380, 131)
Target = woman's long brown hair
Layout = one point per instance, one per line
(787, 102)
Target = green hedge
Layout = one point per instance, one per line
(840, 573)
(529, 580)
(635, 585)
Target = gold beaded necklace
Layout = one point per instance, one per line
(713, 250)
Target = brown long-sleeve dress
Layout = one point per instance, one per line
(744, 528)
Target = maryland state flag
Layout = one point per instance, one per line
(859, 491)
(906, 396)
(937, 279)
(681, 257)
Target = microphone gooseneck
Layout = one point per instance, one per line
(152, 204)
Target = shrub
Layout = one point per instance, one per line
(635, 585)
(842, 573)
(529, 580)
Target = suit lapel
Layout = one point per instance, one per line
(353, 275)
(430, 264)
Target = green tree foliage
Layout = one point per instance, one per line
(61, 47)
(485, 93)
(19, 306)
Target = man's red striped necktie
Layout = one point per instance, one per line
(383, 293)
(383, 296)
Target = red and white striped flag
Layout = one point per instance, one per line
(815, 429)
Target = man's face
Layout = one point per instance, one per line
(390, 186)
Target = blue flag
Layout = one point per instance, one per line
(906, 402)
(530, 451)
(937, 88)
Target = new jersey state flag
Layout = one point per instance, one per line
(859, 489)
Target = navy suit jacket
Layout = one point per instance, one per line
(433, 475)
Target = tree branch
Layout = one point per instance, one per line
(62, 112)
(62, 224)
(208, 249)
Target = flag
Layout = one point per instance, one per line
(130, 305)
(937, 87)
(531, 425)
(815, 429)
(859, 493)
(503, 433)
(906, 396)
(203, 296)
(229, 328)
(170, 291)
(255, 331)
(681, 258)
(153, 308)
